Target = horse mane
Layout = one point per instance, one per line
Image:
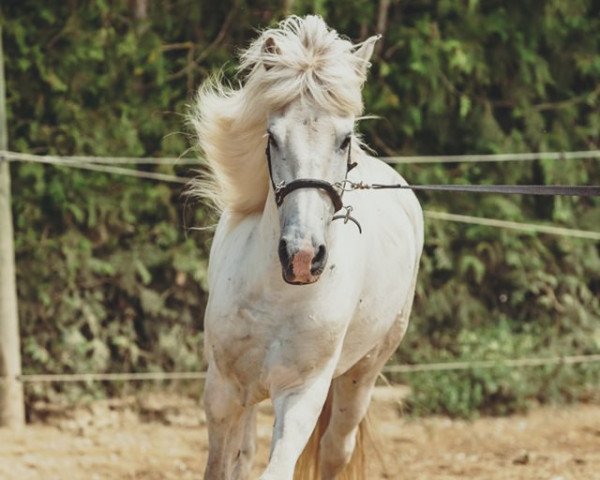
(299, 59)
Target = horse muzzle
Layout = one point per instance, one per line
(302, 264)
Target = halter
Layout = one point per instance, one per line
(283, 189)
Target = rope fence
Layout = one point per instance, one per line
(520, 226)
(496, 157)
(75, 159)
(115, 165)
(94, 166)
(405, 159)
(107, 165)
(414, 368)
(512, 363)
(110, 377)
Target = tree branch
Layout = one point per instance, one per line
(382, 15)
(176, 46)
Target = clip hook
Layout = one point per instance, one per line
(347, 217)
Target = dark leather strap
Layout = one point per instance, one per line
(569, 190)
(285, 189)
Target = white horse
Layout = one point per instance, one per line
(302, 309)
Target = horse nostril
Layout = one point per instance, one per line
(318, 262)
(284, 256)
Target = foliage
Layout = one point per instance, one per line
(110, 280)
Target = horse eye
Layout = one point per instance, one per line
(345, 143)
(272, 140)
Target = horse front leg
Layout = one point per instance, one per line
(296, 413)
(224, 415)
(245, 456)
(351, 398)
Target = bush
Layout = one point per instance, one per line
(109, 279)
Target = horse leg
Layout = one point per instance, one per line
(245, 456)
(224, 413)
(351, 398)
(296, 413)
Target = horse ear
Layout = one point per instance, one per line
(365, 51)
(271, 49)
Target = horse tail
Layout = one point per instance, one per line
(308, 465)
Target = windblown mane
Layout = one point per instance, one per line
(301, 58)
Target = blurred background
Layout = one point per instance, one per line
(111, 272)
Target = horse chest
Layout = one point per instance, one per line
(263, 344)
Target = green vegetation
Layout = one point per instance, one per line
(110, 279)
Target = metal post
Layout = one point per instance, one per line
(12, 410)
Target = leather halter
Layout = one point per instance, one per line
(283, 189)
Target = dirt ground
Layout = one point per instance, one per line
(163, 438)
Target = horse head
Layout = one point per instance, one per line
(309, 144)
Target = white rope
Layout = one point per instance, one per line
(498, 157)
(101, 168)
(525, 227)
(513, 363)
(424, 367)
(111, 377)
(27, 157)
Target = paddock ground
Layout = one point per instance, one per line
(164, 438)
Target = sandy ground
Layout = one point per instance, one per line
(166, 439)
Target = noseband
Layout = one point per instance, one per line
(283, 189)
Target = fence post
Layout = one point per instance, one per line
(12, 410)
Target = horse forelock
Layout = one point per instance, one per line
(301, 58)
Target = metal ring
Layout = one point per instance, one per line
(346, 185)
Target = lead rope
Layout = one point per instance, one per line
(563, 190)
